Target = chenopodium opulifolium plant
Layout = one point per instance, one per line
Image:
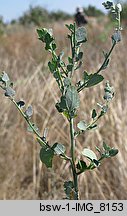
(69, 101)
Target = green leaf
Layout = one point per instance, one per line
(81, 165)
(82, 125)
(70, 60)
(106, 147)
(72, 98)
(53, 46)
(94, 114)
(70, 27)
(86, 76)
(108, 5)
(94, 79)
(29, 111)
(96, 163)
(69, 67)
(91, 127)
(59, 148)
(68, 188)
(98, 149)
(46, 156)
(9, 92)
(81, 35)
(52, 66)
(89, 154)
(61, 106)
(79, 56)
(113, 152)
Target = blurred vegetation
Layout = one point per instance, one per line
(93, 11)
(38, 15)
(124, 12)
(2, 25)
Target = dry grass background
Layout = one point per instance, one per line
(22, 175)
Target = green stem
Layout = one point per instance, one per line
(28, 122)
(75, 177)
(34, 130)
(107, 56)
(61, 81)
(73, 46)
(105, 60)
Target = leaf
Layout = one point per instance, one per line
(108, 96)
(116, 36)
(53, 46)
(79, 56)
(46, 156)
(69, 67)
(113, 152)
(96, 162)
(68, 188)
(82, 125)
(70, 27)
(94, 114)
(86, 76)
(108, 5)
(61, 106)
(98, 149)
(106, 147)
(67, 81)
(59, 148)
(52, 66)
(81, 35)
(70, 60)
(9, 92)
(81, 165)
(94, 79)
(89, 154)
(5, 77)
(21, 103)
(92, 127)
(29, 111)
(72, 98)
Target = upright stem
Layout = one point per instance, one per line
(75, 177)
